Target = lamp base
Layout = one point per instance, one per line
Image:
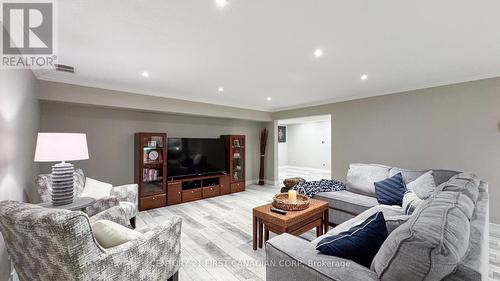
(62, 184)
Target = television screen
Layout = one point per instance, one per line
(195, 156)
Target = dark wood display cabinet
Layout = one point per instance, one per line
(151, 169)
(235, 145)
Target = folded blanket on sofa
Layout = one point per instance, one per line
(311, 188)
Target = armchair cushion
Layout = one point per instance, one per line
(96, 189)
(110, 234)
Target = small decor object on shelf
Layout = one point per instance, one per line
(292, 195)
(237, 143)
(282, 201)
(153, 155)
(54, 147)
(152, 144)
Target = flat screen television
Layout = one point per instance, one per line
(195, 156)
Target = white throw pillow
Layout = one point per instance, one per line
(110, 234)
(424, 186)
(96, 189)
(410, 202)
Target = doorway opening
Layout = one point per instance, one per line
(304, 148)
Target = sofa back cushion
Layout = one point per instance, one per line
(440, 176)
(431, 244)
(361, 177)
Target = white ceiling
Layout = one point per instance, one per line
(264, 48)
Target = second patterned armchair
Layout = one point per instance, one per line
(51, 244)
(106, 195)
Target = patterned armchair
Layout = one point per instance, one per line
(52, 244)
(125, 196)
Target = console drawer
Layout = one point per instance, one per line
(237, 187)
(191, 194)
(211, 191)
(152, 202)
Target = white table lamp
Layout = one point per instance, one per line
(55, 147)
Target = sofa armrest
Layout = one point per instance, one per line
(291, 258)
(115, 214)
(128, 193)
(156, 253)
(102, 204)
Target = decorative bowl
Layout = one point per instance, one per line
(281, 201)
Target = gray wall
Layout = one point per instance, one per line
(307, 145)
(19, 121)
(110, 135)
(452, 127)
(53, 91)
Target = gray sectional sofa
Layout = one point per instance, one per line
(446, 237)
(359, 195)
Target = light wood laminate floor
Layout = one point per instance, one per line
(217, 236)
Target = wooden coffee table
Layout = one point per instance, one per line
(294, 222)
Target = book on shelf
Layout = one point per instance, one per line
(150, 175)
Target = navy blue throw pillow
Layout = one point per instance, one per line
(391, 190)
(360, 243)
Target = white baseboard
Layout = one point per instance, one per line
(267, 182)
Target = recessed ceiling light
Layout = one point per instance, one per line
(364, 77)
(221, 3)
(318, 53)
(221, 89)
(145, 74)
(268, 98)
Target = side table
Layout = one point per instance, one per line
(294, 222)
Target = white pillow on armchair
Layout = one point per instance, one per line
(96, 189)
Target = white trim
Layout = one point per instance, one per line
(266, 182)
(403, 90)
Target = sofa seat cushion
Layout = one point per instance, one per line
(431, 244)
(360, 177)
(347, 201)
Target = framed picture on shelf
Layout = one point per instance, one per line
(158, 140)
(281, 133)
(152, 143)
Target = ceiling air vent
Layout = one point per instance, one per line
(65, 68)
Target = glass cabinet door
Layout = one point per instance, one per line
(152, 160)
(237, 158)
